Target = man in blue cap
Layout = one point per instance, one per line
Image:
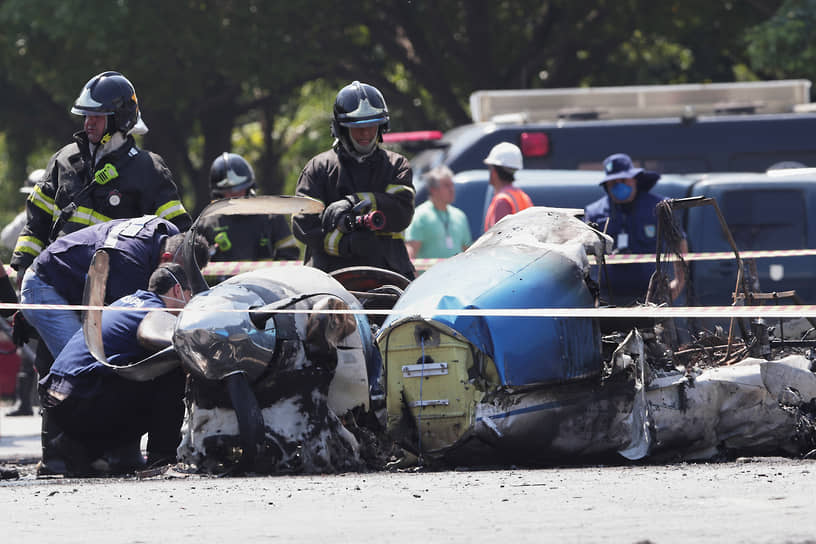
(627, 214)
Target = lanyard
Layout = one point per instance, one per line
(444, 218)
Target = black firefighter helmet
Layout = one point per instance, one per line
(111, 94)
(358, 105)
(230, 173)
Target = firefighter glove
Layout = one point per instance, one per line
(334, 213)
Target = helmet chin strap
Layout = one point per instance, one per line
(111, 142)
(363, 150)
(357, 151)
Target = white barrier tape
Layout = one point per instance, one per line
(711, 256)
(787, 311)
(627, 258)
(231, 268)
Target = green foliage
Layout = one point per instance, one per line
(8, 187)
(259, 77)
(783, 46)
(304, 128)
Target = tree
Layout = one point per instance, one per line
(783, 46)
(197, 65)
(201, 68)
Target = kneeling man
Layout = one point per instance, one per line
(103, 415)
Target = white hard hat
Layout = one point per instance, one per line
(32, 180)
(505, 155)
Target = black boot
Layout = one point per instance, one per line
(123, 459)
(62, 454)
(52, 462)
(24, 390)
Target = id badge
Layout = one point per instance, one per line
(448, 242)
(623, 240)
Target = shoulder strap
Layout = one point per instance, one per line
(129, 229)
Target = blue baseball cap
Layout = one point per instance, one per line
(619, 166)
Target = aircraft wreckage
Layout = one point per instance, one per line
(282, 363)
(468, 387)
(270, 377)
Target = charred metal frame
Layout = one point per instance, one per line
(740, 288)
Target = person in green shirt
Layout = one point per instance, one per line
(438, 229)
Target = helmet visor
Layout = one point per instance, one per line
(356, 111)
(86, 105)
(232, 180)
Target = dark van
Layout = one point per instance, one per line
(764, 212)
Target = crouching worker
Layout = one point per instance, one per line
(57, 276)
(103, 415)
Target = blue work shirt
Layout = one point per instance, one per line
(135, 250)
(633, 228)
(76, 372)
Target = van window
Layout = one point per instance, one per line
(766, 219)
(683, 165)
(758, 162)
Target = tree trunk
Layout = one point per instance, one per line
(216, 127)
(271, 179)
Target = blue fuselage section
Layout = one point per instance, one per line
(526, 349)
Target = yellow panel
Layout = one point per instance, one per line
(441, 396)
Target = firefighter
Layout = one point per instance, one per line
(244, 237)
(357, 171)
(101, 175)
(10, 233)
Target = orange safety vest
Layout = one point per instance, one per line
(517, 198)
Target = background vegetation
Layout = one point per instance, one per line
(259, 76)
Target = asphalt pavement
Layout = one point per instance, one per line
(19, 437)
(754, 500)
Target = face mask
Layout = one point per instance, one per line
(183, 301)
(621, 191)
(363, 150)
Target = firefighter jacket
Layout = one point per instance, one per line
(385, 179)
(249, 237)
(127, 182)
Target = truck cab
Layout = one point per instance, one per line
(764, 211)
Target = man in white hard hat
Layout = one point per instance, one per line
(503, 161)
